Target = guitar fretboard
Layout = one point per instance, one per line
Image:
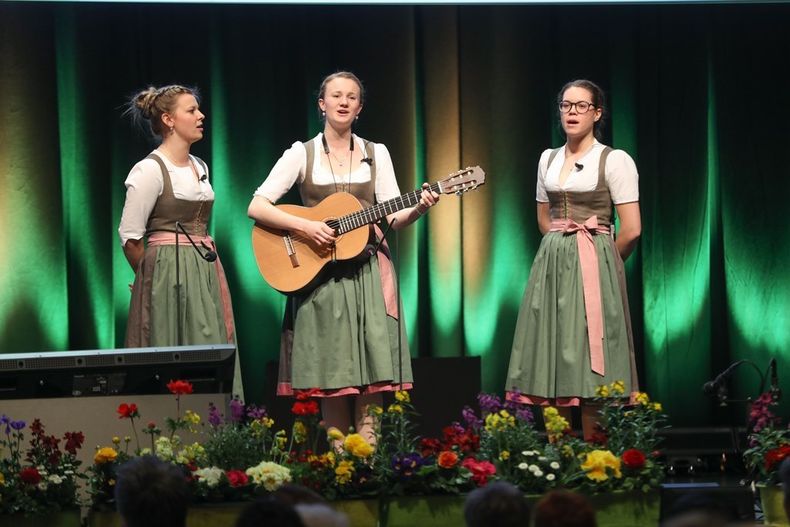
(357, 219)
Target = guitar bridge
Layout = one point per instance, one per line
(289, 248)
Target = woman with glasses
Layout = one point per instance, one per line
(574, 331)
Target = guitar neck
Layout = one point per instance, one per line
(357, 219)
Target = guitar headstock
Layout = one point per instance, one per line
(459, 182)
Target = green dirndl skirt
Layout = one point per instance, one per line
(550, 357)
(154, 306)
(340, 337)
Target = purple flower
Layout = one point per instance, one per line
(521, 411)
(214, 417)
(406, 465)
(17, 425)
(236, 410)
(5, 420)
(471, 419)
(255, 413)
(489, 403)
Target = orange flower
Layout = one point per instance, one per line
(447, 459)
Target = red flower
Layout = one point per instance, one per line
(305, 408)
(480, 470)
(74, 442)
(634, 459)
(127, 411)
(775, 456)
(447, 459)
(30, 476)
(237, 478)
(179, 387)
(430, 446)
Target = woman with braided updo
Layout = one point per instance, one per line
(173, 302)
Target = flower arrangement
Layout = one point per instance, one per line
(623, 454)
(41, 477)
(768, 441)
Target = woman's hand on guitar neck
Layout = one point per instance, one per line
(319, 232)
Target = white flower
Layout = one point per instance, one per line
(529, 452)
(210, 476)
(270, 475)
(542, 458)
(42, 485)
(554, 465)
(538, 473)
(523, 466)
(55, 479)
(534, 468)
(550, 477)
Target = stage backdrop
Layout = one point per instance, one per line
(698, 98)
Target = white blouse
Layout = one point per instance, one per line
(622, 177)
(290, 169)
(144, 185)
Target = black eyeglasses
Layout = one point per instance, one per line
(581, 106)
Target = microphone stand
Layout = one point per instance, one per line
(209, 256)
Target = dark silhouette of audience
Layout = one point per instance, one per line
(270, 512)
(563, 508)
(698, 509)
(498, 504)
(151, 493)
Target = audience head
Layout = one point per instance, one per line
(563, 508)
(321, 515)
(296, 495)
(698, 509)
(151, 493)
(269, 512)
(498, 504)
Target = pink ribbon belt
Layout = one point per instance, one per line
(591, 282)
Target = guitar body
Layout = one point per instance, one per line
(291, 263)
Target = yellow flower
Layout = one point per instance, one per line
(617, 388)
(500, 421)
(116, 440)
(127, 439)
(191, 417)
(343, 472)
(333, 434)
(554, 422)
(504, 455)
(268, 422)
(567, 451)
(105, 455)
(602, 391)
(395, 409)
(402, 396)
(356, 445)
(300, 432)
(597, 463)
(328, 459)
(642, 398)
(657, 407)
(374, 409)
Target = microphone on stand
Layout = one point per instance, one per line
(373, 248)
(209, 255)
(718, 385)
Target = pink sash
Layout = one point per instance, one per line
(588, 260)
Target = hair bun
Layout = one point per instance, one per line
(144, 101)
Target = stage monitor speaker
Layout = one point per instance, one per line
(125, 371)
(735, 502)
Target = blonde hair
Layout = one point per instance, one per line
(151, 103)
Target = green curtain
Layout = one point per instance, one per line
(697, 98)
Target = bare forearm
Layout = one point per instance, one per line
(134, 250)
(626, 242)
(262, 211)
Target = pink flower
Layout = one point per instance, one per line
(480, 470)
(237, 478)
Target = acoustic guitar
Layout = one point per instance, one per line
(290, 263)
